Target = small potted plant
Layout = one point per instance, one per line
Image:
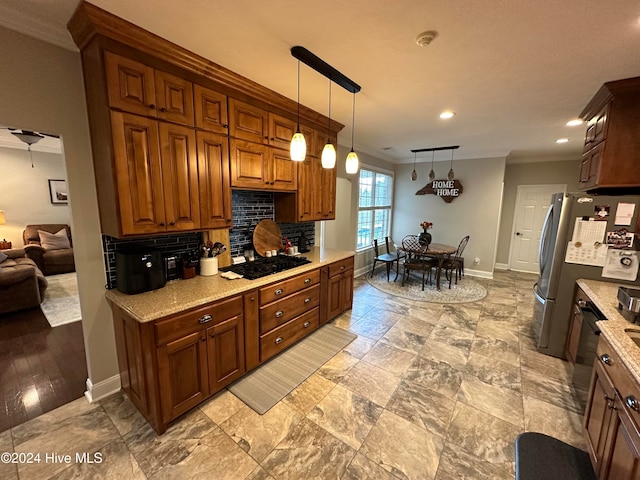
(425, 237)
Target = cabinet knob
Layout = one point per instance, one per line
(307, 280)
(605, 358)
(163, 109)
(279, 313)
(306, 324)
(172, 223)
(279, 340)
(152, 106)
(205, 318)
(632, 403)
(279, 292)
(225, 126)
(307, 300)
(161, 224)
(582, 303)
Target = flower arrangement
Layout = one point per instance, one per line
(426, 225)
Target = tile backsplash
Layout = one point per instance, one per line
(248, 208)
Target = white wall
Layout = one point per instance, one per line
(24, 191)
(43, 90)
(476, 212)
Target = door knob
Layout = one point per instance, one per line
(518, 233)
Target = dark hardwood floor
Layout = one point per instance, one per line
(41, 368)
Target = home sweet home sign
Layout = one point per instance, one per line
(447, 190)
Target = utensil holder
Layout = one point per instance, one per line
(208, 266)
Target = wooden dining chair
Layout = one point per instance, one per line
(389, 258)
(417, 258)
(455, 263)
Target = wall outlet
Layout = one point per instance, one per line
(476, 261)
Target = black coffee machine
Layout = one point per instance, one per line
(139, 271)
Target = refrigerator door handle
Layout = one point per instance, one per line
(535, 293)
(545, 227)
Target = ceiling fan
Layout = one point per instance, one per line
(29, 137)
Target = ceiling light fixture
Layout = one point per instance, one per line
(329, 151)
(414, 174)
(562, 140)
(450, 175)
(298, 148)
(447, 114)
(29, 138)
(432, 174)
(575, 122)
(425, 38)
(352, 162)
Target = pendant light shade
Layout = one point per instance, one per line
(352, 163)
(432, 174)
(414, 174)
(450, 175)
(329, 151)
(298, 148)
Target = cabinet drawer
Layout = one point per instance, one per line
(280, 290)
(181, 325)
(285, 335)
(341, 266)
(282, 311)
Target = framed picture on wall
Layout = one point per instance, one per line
(58, 192)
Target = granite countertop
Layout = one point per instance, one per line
(180, 295)
(605, 296)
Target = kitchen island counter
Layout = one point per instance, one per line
(604, 295)
(180, 295)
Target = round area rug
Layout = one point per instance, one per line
(464, 292)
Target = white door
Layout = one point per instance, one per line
(532, 203)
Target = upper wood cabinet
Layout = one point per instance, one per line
(137, 88)
(211, 110)
(611, 153)
(247, 122)
(214, 180)
(257, 167)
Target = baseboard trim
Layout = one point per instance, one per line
(102, 389)
(501, 266)
(478, 273)
(361, 271)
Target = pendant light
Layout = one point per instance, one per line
(298, 149)
(329, 151)
(414, 174)
(351, 165)
(451, 174)
(432, 174)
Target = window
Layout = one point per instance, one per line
(374, 207)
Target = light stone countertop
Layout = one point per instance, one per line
(605, 296)
(180, 295)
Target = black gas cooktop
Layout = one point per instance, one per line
(262, 267)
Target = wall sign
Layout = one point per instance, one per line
(445, 189)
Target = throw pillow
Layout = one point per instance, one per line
(54, 241)
(3, 257)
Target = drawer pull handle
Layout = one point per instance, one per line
(605, 358)
(306, 324)
(582, 303)
(307, 300)
(279, 340)
(279, 291)
(307, 280)
(279, 313)
(342, 267)
(205, 318)
(632, 403)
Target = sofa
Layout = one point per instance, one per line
(50, 247)
(22, 284)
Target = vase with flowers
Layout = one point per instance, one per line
(425, 237)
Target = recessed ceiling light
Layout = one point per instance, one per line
(574, 123)
(447, 114)
(562, 140)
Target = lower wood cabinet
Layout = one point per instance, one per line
(612, 418)
(339, 288)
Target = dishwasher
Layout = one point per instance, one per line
(586, 354)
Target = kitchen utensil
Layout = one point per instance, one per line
(267, 236)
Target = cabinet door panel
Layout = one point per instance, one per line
(346, 291)
(281, 131)
(328, 193)
(138, 172)
(174, 98)
(248, 122)
(180, 177)
(210, 110)
(284, 171)
(598, 414)
(225, 352)
(334, 304)
(249, 164)
(182, 369)
(130, 85)
(624, 463)
(215, 185)
(305, 191)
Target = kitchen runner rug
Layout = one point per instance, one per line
(61, 303)
(465, 291)
(270, 383)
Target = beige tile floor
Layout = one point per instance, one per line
(426, 391)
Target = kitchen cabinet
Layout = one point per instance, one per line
(612, 418)
(339, 288)
(611, 152)
(575, 325)
(171, 365)
(137, 88)
(156, 174)
(214, 180)
(210, 110)
(258, 167)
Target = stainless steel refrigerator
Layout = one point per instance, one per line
(554, 289)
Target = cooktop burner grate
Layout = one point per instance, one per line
(262, 267)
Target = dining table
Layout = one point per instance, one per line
(440, 251)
